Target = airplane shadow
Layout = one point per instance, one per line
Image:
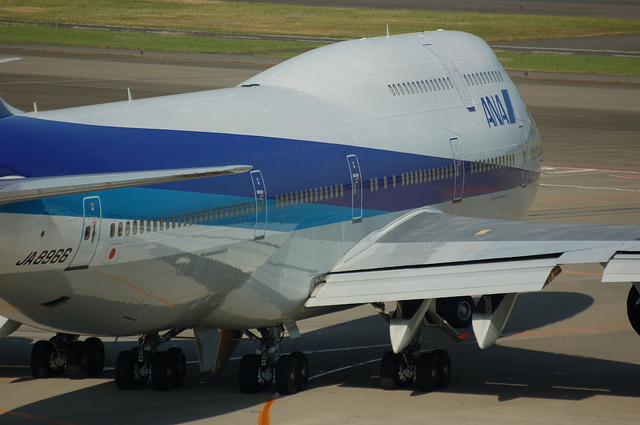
(344, 355)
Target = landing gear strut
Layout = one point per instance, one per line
(166, 369)
(266, 366)
(66, 353)
(429, 371)
(407, 363)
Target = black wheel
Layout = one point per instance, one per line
(460, 312)
(125, 370)
(390, 371)
(633, 308)
(303, 364)
(96, 356)
(426, 373)
(248, 374)
(78, 360)
(443, 368)
(163, 373)
(179, 364)
(287, 375)
(41, 360)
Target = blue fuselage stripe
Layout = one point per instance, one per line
(302, 178)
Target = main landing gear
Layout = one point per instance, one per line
(66, 353)
(266, 366)
(407, 364)
(166, 369)
(429, 371)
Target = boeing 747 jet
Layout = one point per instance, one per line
(392, 171)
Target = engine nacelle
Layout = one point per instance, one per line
(633, 307)
(457, 311)
(7, 326)
(490, 317)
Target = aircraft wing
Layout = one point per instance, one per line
(427, 254)
(27, 189)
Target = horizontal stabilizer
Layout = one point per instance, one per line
(28, 189)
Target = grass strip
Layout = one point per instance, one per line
(340, 22)
(139, 41)
(587, 64)
(590, 64)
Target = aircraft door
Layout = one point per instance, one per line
(356, 188)
(525, 160)
(92, 218)
(458, 166)
(452, 70)
(260, 193)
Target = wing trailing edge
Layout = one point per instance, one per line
(28, 189)
(428, 254)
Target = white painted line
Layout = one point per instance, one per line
(506, 384)
(548, 167)
(588, 187)
(581, 170)
(599, 390)
(329, 350)
(340, 369)
(332, 350)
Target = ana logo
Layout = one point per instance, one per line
(496, 112)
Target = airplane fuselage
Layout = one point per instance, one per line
(342, 141)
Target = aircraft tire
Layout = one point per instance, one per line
(389, 371)
(426, 373)
(248, 374)
(78, 360)
(633, 309)
(180, 365)
(125, 370)
(443, 368)
(163, 372)
(287, 375)
(303, 364)
(96, 356)
(41, 360)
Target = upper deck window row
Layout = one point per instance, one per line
(422, 86)
(475, 79)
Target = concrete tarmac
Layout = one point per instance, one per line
(568, 354)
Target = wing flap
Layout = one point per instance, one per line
(27, 189)
(428, 254)
(623, 267)
(515, 275)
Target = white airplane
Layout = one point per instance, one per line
(391, 171)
